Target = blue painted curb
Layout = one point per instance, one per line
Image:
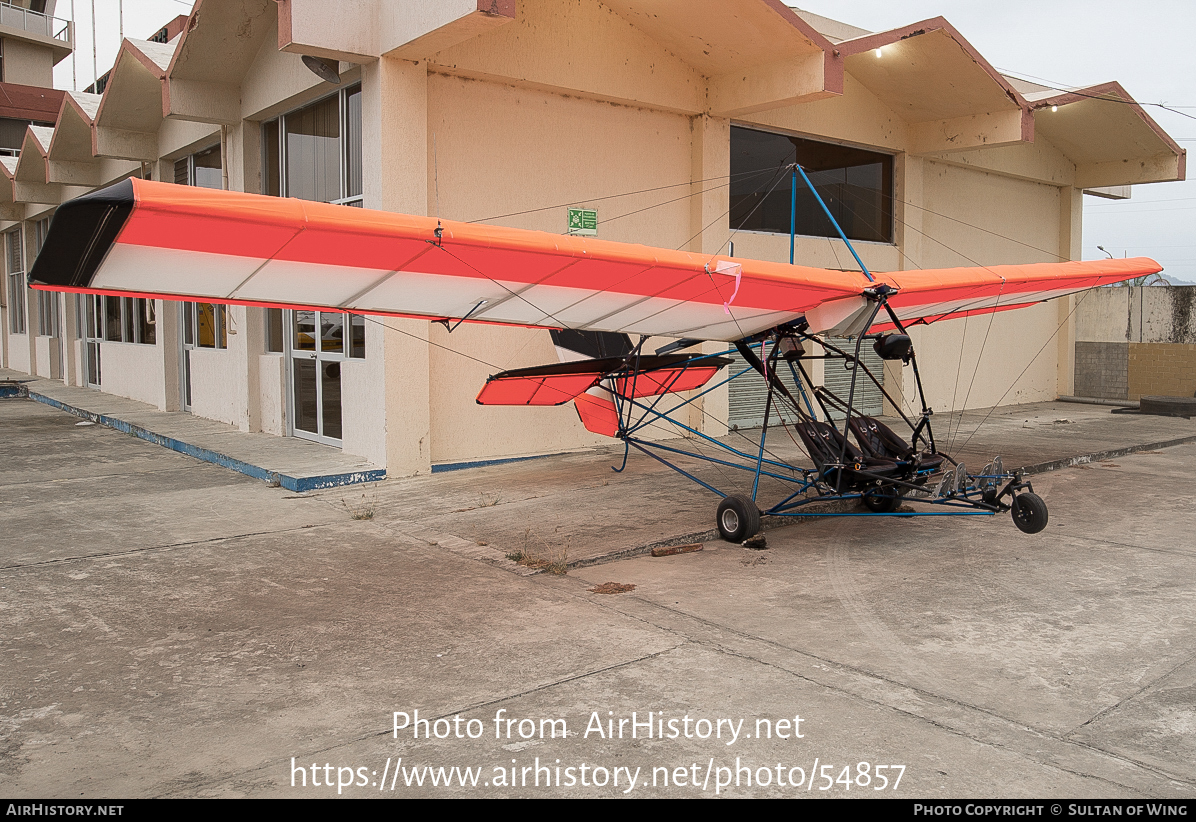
(297, 484)
(458, 466)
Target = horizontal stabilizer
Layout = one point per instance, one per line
(545, 384)
(556, 384)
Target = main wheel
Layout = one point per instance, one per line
(882, 500)
(738, 518)
(1029, 512)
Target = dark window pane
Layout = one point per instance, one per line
(189, 323)
(12, 132)
(147, 321)
(330, 387)
(856, 185)
(353, 142)
(306, 407)
(127, 335)
(305, 331)
(332, 332)
(13, 238)
(182, 172)
(357, 346)
(313, 152)
(112, 327)
(273, 166)
(93, 363)
(274, 330)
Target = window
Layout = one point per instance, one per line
(856, 185)
(47, 301)
(203, 169)
(205, 325)
(314, 153)
(121, 319)
(274, 341)
(15, 264)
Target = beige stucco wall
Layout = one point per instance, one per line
(18, 349)
(497, 149)
(1004, 357)
(133, 371)
(49, 357)
(28, 64)
(218, 392)
(363, 403)
(272, 393)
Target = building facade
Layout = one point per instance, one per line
(671, 122)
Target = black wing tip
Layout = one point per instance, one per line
(81, 233)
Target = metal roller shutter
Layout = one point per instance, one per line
(748, 394)
(837, 378)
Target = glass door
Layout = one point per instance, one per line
(93, 333)
(317, 349)
(188, 345)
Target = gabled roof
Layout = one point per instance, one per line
(212, 55)
(71, 158)
(1109, 136)
(928, 71)
(129, 115)
(132, 100)
(31, 166)
(72, 130)
(717, 37)
(221, 40)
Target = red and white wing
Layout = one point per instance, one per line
(180, 242)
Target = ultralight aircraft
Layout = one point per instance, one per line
(158, 240)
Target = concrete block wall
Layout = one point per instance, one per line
(1136, 341)
(1162, 370)
(1102, 370)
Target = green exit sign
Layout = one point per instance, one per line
(583, 222)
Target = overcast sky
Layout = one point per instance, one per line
(1146, 45)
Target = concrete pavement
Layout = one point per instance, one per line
(169, 628)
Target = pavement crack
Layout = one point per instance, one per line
(1012, 725)
(191, 786)
(151, 548)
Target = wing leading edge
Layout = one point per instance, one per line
(180, 242)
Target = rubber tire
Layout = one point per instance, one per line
(738, 518)
(1029, 512)
(879, 501)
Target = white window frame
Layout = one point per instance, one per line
(17, 286)
(342, 95)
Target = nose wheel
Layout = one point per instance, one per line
(1029, 512)
(738, 518)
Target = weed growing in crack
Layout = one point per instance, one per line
(364, 508)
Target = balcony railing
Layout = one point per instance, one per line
(35, 22)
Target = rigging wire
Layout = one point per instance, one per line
(1080, 92)
(701, 409)
(1066, 319)
(728, 177)
(775, 180)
